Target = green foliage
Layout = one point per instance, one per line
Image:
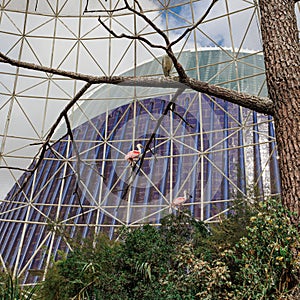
(90, 272)
(10, 289)
(195, 278)
(249, 255)
(265, 256)
(227, 232)
(149, 252)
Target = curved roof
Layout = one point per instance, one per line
(245, 73)
(213, 150)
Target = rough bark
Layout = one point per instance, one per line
(258, 104)
(282, 62)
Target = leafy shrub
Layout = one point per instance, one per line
(250, 255)
(194, 278)
(90, 272)
(265, 256)
(10, 289)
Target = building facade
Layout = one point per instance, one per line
(216, 151)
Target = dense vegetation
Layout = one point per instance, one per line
(250, 255)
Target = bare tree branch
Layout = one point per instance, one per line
(109, 11)
(73, 75)
(131, 37)
(173, 110)
(77, 155)
(143, 16)
(40, 155)
(168, 47)
(77, 174)
(86, 10)
(139, 6)
(152, 137)
(195, 25)
(258, 104)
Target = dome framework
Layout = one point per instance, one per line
(219, 149)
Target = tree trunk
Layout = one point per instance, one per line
(281, 50)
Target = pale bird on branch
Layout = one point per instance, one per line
(167, 65)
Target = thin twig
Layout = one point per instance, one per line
(36, 5)
(131, 37)
(143, 16)
(152, 137)
(168, 47)
(40, 155)
(77, 155)
(110, 11)
(195, 25)
(172, 109)
(77, 173)
(139, 6)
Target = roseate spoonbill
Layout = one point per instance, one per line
(180, 200)
(134, 155)
(167, 65)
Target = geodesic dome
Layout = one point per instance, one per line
(215, 150)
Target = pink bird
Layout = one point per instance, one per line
(134, 155)
(180, 200)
